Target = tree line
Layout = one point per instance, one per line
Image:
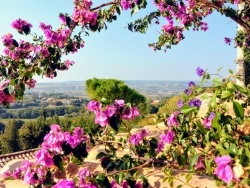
(35, 112)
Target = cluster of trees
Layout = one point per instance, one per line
(33, 113)
(19, 135)
(112, 89)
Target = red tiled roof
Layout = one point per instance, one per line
(26, 155)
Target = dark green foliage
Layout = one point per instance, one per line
(112, 89)
(9, 139)
(31, 134)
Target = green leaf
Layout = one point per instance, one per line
(100, 155)
(102, 181)
(201, 128)
(219, 69)
(225, 94)
(110, 166)
(245, 181)
(230, 71)
(216, 80)
(118, 10)
(212, 102)
(221, 150)
(67, 149)
(4, 72)
(105, 161)
(171, 181)
(194, 159)
(188, 177)
(240, 88)
(216, 124)
(115, 122)
(121, 177)
(58, 162)
(233, 148)
(80, 151)
(230, 85)
(186, 109)
(144, 180)
(238, 110)
(134, 10)
(153, 143)
(205, 96)
(199, 89)
(11, 89)
(181, 160)
(51, 50)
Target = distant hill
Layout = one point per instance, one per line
(160, 88)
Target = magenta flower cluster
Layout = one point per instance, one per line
(34, 173)
(83, 176)
(21, 26)
(224, 170)
(181, 12)
(56, 137)
(56, 43)
(82, 13)
(172, 120)
(58, 38)
(127, 4)
(117, 109)
(168, 137)
(15, 50)
(138, 136)
(30, 172)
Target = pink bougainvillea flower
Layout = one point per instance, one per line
(224, 170)
(200, 163)
(138, 136)
(31, 83)
(125, 4)
(110, 110)
(160, 147)
(119, 103)
(6, 174)
(208, 121)
(172, 120)
(29, 177)
(94, 106)
(21, 25)
(139, 184)
(44, 158)
(123, 184)
(65, 184)
(7, 40)
(168, 138)
(101, 119)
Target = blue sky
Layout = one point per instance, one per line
(121, 54)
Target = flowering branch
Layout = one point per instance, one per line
(234, 17)
(103, 5)
(131, 169)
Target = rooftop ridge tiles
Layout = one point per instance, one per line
(25, 152)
